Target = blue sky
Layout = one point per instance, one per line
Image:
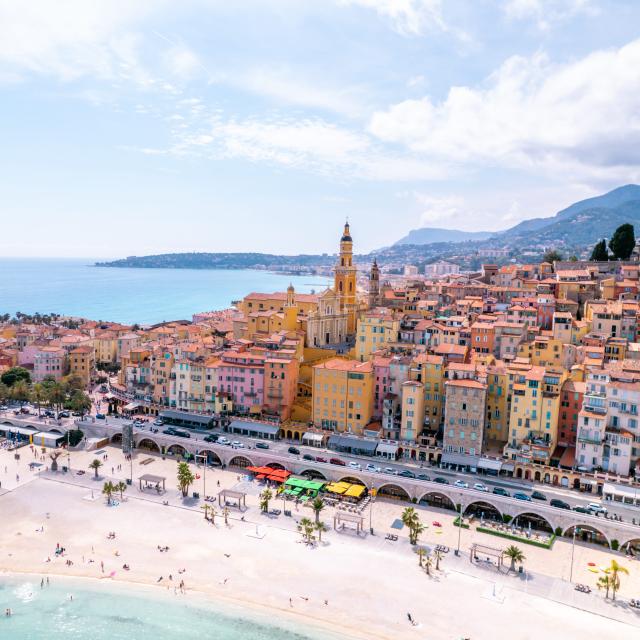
(136, 127)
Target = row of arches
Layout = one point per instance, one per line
(41, 427)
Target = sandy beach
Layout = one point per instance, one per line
(358, 587)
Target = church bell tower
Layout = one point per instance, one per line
(345, 279)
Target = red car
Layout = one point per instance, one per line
(337, 461)
(319, 459)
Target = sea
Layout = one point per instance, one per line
(75, 287)
(76, 609)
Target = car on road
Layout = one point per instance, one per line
(294, 450)
(522, 496)
(423, 476)
(64, 414)
(48, 414)
(499, 491)
(478, 486)
(440, 480)
(211, 438)
(100, 416)
(77, 414)
(223, 440)
(391, 471)
(306, 456)
(181, 434)
(340, 463)
(355, 465)
(3, 407)
(158, 422)
(559, 504)
(236, 444)
(594, 507)
(169, 432)
(580, 509)
(405, 473)
(373, 468)
(321, 459)
(538, 495)
(461, 484)
(262, 445)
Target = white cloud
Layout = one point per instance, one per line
(181, 62)
(583, 117)
(439, 209)
(546, 13)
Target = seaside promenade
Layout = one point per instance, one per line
(369, 582)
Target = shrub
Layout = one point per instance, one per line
(524, 540)
(75, 437)
(615, 545)
(506, 518)
(558, 531)
(456, 523)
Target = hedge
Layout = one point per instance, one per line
(509, 536)
(456, 523)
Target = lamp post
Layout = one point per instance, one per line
(459, 525)
(573, 548)
(204, 472)
(68, 453)
(373, 498)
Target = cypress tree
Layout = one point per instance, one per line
(622, 241)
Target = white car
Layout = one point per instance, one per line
(236, 444)
(373, 468)
(478, 486)
(355, 465)
(461, 484)
(222, 440)
(596, 508)
(391, 471)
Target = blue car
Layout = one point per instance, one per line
(522, 496)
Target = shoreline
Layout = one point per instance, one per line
(209, 601)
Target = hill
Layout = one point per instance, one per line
(431, 235)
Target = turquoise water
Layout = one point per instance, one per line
(74, 287)
(111, 612)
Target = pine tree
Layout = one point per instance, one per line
(600, 253)
(622, 242)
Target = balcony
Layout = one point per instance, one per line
(587, 439)
(276, 394)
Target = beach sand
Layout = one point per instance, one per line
(370, 584)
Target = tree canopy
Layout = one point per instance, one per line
(622, 242)
(15, 374)
(600, 253)
(552, 256)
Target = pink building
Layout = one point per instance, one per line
(381, 383)
(241, 375)
(49, 362)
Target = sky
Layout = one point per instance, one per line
(133, 127)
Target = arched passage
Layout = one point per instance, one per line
(484, 511)
(393, 491)
(439, 500)
(352, 480)
(212, 457)
(54, 430)
(275, 465)
(176, 450)
(241, 462)
(587, 533)
(528, 520)
(631, 547)
(116, 438)
(150, 445)
(313, 474)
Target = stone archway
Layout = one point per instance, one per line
(519, 472)
(313, 474)
(536, 476)
(393, 491)
(631, 546)
(564, 481)
(289, 434)
(176, 450)
(589, 534)
(116, 438)
(527, 475)
(275, 465)
(54, 430)
(296, 436)
(352, 480)
(149, 444)
(241, 462)
(212, 457)
(438, 500)
(483, 510)
(531, 520)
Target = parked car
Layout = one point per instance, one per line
(423, 476)
(340, 463)
(223, 440)
(3, 407)
(580, 509)
(211, 438)
(522, 496)
(294, 450)
(181, 434)
(64, 414)
(306, 456)
(391, 471)
(499, 491)
(320, 459)
(77, 414)
(236, 444)
(440, 480)
(538, 495)
(373, 468)
(355, 465)
(478, 486)
(461, 484)
(100, 416)
(405, 473)
(594, 507)
(262, 445)
(560, 504)
(158, 422)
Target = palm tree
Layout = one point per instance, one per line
(421, 553)
(317, 505)
(225, 513)
(265, 496)
(515, 555)
(321, 528)
(614, 570)
(604, 582)
(411, 520)
(95, 465)
(205, 508)
(38, 395)
(108, 490)
(185, 478)
(428, 563)
(121, 487)
(305, 526)
(438, 555)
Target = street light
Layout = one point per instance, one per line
(459, 525)
(204, 472)
(573, 548)
(373, 498)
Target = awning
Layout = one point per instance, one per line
(132, 406)
(23, 431)
(588, 482)
(353, 445)
(488, 463)
(508, 466)
(309, 436)
(261, 428)
(460, 459)
(46, 439)
(108, 396)
(622, 491)
(354, 491)
(387, 448)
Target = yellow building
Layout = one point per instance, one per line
(429, 370)
(342, 395)
(345, 279)
(106, 347)
(544, 351)
(82, 363)
(412, 419)
(375, 329)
